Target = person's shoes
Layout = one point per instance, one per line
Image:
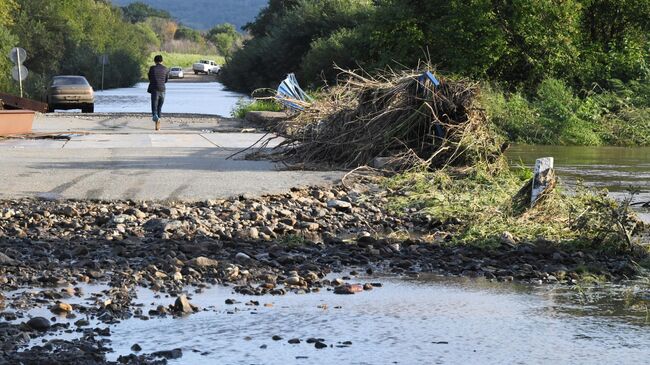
(155, 118)
(158, 125)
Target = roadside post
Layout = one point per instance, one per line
(103, 59)
(19, 72)
(543, 180)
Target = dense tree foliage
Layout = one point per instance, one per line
(67, 37)
(188, 33)
(274, 10)
(518, 42)
(265, 60)
(7, 41)
(555, 71)
(226, 38)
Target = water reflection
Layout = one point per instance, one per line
(425, 320)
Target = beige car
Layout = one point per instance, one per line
(71, 92)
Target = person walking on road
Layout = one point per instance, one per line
(158, 76)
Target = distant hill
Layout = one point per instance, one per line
(204, 14)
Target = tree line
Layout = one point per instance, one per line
(519, 42)
(169, 35)
(565, 50)
(70, 36)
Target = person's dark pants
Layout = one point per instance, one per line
(157, 100)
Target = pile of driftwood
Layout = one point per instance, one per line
(410, 117)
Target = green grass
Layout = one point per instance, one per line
(558, 115)
(244, 106)
(478, 207)
(184, 60)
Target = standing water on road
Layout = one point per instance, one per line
(429, 320)
(181, 97)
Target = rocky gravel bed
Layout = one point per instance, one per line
(309, 213)
(271, 245)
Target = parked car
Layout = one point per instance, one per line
(176, 72)
(70, 92)
(204, 66)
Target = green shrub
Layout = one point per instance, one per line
(264, 61)
(244, 106)
(514, 116)
(554, 116)
(337, 49)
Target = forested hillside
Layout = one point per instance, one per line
(204, 14)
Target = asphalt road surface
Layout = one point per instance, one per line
(120, 156)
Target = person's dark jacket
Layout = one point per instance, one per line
(158, 76)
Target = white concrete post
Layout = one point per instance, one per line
(543, 177)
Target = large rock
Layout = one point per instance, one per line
(169, 354)
(69, 211)
(123, 218)
(157, 225)
(203, 262)
(339, 205)
(6, 260)
(61, 308)
(348, 289)
(7, 213)
(242, 257)
(182, 305)
(39, 323)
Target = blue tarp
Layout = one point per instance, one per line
(290, 90)
(428, 75)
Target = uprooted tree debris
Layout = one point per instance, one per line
(409, 116)
(437, 132)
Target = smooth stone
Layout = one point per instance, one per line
(203, 262)
(6, 260)
(339, 205)
(60, 308)
(242, 257)
(39, 323)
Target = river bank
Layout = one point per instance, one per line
(282, 244)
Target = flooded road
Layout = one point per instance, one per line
(429, 320)
(181, 97)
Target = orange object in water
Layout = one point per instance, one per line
(16, 122)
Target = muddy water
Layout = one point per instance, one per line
(429, 320)
(617, 169)
(181, 97)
